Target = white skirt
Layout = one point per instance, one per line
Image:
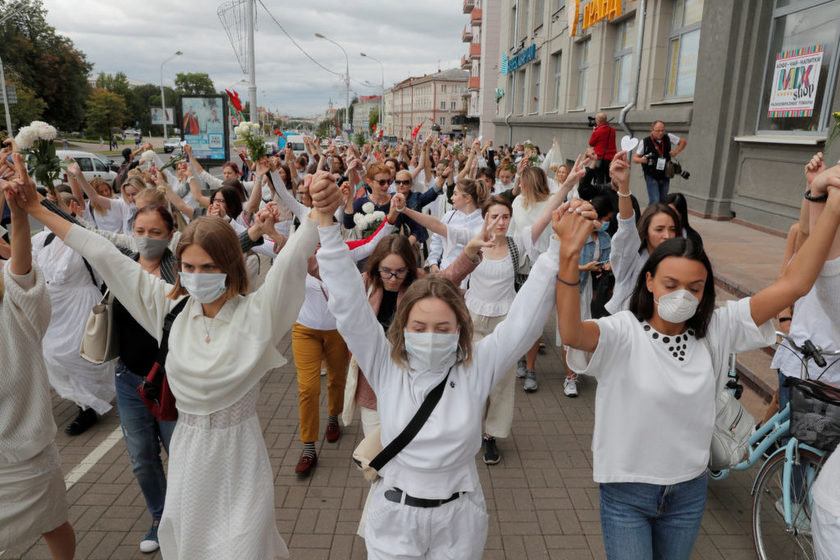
(33, 498)
(220, 488)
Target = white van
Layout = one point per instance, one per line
(92, 165)
(295, 141)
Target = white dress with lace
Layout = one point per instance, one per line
(226, 508)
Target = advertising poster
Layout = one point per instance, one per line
(795, 82)
(204, 127)
(161, 117)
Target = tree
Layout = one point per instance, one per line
(105, 110)
(194, 83)
(28, 108)
(118, 83)
(45, 62)
(373, 118)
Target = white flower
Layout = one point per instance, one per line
(368, 207)
(369, 220)
(148, 155)
(255, 127)
(237, 130)
(359, 219)
(379, 215)
(45, 131)
(26, 137)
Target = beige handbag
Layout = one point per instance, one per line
(350, 384)
(364, 453)
(99, 344)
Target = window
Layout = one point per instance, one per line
(98, 165)
(443, 105)
(442, 121)
(814, 29)
(85, 164)
(443, 88)
(520, 91)
(513, 31)
(523, 19)
(683, 48)
(539, 8)
(452, 106)
(557, 4)
(582, 71)
(556, 63)
(623, 60)
(535, 88)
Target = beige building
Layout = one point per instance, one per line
(481, 33)
(361, 112)
(433, 99)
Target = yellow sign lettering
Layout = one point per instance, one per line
(597, 10)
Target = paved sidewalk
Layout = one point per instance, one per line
(541, 498)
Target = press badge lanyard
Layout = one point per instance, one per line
(660, 147)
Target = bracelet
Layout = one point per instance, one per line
(622, 195)
(570, 284)
(399, 210)
(784, 319)
(810, 198)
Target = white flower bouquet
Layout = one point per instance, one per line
(252, 133)
(36, 143)
(147, 156)
(369, 219)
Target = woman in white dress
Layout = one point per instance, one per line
(220, 494)
(74, 291)
(118, 212)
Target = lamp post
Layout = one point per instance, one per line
(382, 98)
(346, 84)
(163, 95)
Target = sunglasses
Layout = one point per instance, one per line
(383, 182)
(401, 182)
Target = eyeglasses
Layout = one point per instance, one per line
(382, 182)
(385, 273)
(401, 182)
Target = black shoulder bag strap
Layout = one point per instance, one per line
(153, 387)
(413, 427)
(514, 256)
(51, 237)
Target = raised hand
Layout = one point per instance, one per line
(74, 169)
(578, 170)
(814, 167)
(326, 198)
(22, 187)
(398, 202)
(620, 170)
(825, 180)
(573, 223)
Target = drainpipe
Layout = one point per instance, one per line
(513, 78)
(640, 34)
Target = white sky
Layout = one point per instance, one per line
(409, 37)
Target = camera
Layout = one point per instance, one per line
(591, 121)
(678, 170)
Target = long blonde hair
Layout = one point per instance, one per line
(95, 182)
(534, 185)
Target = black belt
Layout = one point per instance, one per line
(396, 495)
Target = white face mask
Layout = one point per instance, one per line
(206, 288)
(151, 247)
(678, 306)
(431, 350)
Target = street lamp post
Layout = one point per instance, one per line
(346, 84)
(163, 95)
(382, 98)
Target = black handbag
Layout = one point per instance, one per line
(814, 412)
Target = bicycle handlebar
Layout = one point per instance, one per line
(809, 350)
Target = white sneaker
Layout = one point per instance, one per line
(150, 540)
(520, 369)
(530, 384)
(570, 387)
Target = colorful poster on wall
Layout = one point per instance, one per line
(205, 128)
(795, 82)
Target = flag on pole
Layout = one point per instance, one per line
(417, 129)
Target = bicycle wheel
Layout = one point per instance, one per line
(772, 538)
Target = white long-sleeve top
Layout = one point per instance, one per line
(208, 377)
(445, 251)
(440, 460)
(26, 421)
(626, 262)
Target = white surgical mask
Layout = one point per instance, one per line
(206, 288)
(151, 247)
(678, 306)
(431, 350)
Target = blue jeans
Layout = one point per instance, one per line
(657, 189)
(650, 521)
(143, 434)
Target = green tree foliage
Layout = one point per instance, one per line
(105, 111)
(194, 83)
(29, 107)
(373, 118)
(45, 62)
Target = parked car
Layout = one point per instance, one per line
(132, 132)
(92, 165)
(295, 141)
(172, 145)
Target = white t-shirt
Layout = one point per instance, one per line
(115, 219)
(673, 138)
(655, 402)
(314, 313)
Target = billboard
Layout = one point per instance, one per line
(205, 128)
(159, 117)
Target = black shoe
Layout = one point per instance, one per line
(85, 419)
(491, 452)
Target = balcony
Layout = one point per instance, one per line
(468, 6)
(474, 83)
(475, 15)
(475, 50)
(465, 62)
(466, 34)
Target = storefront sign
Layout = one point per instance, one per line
(795, 82)
(524, 57)
(597, 10)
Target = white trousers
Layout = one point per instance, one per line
(826, 528)
(453, 531)
(498, 416)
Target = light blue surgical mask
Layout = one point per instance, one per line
(431, 350)
(604, 227)
(205, 288)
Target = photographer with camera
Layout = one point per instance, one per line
(602, 141)
(655, 153)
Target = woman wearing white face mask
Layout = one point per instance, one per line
(660, 366)
(429, 499)
(220, 492)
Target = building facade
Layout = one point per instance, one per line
(751, 85)
(481, 33)
(434, 99)
(361, 112)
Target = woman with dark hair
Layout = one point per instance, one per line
(660, 366)
(429, 502)
(677, 201)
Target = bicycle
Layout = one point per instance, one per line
(781, 511)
